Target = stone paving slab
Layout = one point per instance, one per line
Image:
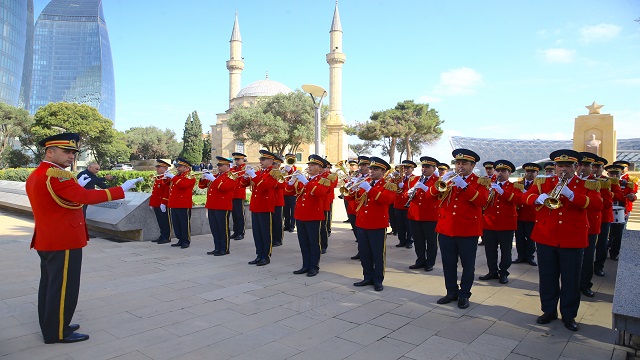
(140, 300)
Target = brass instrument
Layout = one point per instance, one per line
(290, 161)
(197, 174)
(235, 174)
(355, 185)
(444, 185)
(342, 172)
(492, 194)
(393, 176)
(295, 173)
(553, 201)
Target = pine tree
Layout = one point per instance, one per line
(192, 139)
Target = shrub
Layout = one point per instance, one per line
(19, 174)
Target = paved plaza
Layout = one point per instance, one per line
(140, 300)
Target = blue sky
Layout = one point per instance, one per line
(495, 69)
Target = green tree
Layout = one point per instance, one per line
(206, 148)
(192, 139)
(362, 148)
(280, 123)
(151, 143)
(12, 124)
(14, 158)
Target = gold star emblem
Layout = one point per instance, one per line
(594, 108)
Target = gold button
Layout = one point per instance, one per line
(560, 222)
(455, 206)
(497, 212)
(454, 213)
(559, 213)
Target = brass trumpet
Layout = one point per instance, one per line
(553, 201)
(443, 185)
(356, 184)
(295, 173)
(239, 172)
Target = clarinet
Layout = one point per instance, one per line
(413, 193)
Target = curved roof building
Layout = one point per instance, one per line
(264, 88)
(72, 57)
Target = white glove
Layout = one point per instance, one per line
(401, 185)
(287, 168)
(130, 184)
(497, 188)
(365, 186)
(457, 181)
(302, 179)
(163, 207)
(84, 180)
(422, 186)
(208, 176)
(540, 200)
(448, 175)
(251, 173)
(567, 192)
(168, 175)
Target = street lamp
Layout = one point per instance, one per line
(317, 93)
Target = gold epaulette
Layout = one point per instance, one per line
(605, 183)
(276, 174)
(614, 181)
(59, 173)
(391, 186)
(592, 185)
(633, 179)
(518, 186)
(324, 181)
(539, 180)
(332, 177)
(485, 181)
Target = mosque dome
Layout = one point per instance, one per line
(264, 87)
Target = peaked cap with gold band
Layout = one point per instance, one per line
(265, 154)
(363, 160)
(183, 162)
(443, 166)
(488, 164)
(531, 167)
(465, 154)
(379, 163)
(600, 161)
(565, 155)
(160, 162)
(588, 157)
(504, 164)
(614, 168)
(69, 141)
(223, 160)
(353, 162)
(409, 163)
(429, 161)
(238, 155)
(317, 159)
(622, 163)
(549, 165)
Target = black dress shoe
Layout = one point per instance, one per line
(346, 221)
(74, 327)
(378, 287)
(239, 237)
(233, 236)
(212, 252)
(614, 257)
(184, 246)
(547, 317)
(599, 273)
(74, 337)
(177, 244)
(263, 262)
(416, 266)
(570, 324)
(587, 292)
(276, 244)
(221, 253)
(409, 246)
(301, 271)
(401, 245)
(489, 276)
(463, 303)
(312, 272)
(428, 268)
(164, 241)
(156, 240)
(503, 279)
(355, 257)
(517, 261)
(323, 251)
(291, 230)
(532, 262)
(254, 261)
(447, 299)
(363, 283)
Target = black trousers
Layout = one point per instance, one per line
(329, 219)
(289, 212)
(324, 230)
(559, 270)
(352, 222)
(403, 226)
(277, 232)
(601, 246)
(525, 246)
(373, 251)
(426, 242)
(261, 228)
(392, 219)
(164, 223)
(238, 216)
(58, 292)
(309, 240)
(452, 247)
(181, 222)
(493, 239)
(219, 225)
(586, 274)
(615, 238)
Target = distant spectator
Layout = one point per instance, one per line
(91, 171)
(210, 166)
(196, 167)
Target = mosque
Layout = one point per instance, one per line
(335, 147)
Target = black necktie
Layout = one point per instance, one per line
(373, 183)
(527, 184)
(500, 184)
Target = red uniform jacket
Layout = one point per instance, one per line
(328, 199)
(262, 190)
(501, 213)
(289, 190)
(56, 201)
(424, 207)
(401, 194)
(160, 192)
(567, 226)
(374, 205)
(461, 213)
(311, 198)
(180, 195)
(526, 212)
(607, 199)
(220, 193)
(241, 191)
(631, 187)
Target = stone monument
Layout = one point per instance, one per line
(595, 133)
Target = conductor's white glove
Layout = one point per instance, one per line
(84, 180)
(540, 200)
(130, 184)
(422, 186)
(208, 176)
(163, 207)
(497, 188)
(457, 181)
(251, 173)
(567, 192)
(401, 185)
(365, 186)
(302, 179)
(168, 175)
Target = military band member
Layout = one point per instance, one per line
(423, 215)
(549, 168)
(443, 169)
(220, 190)
(325, 226)
(277, 225)
(595, 223)
(262, 204)
(353, 171)
(373, 201)
(561, 233)
(289, 196)
(60, 233)
(363, 173)
(500, 221)
(525, 246)
(490, 170)
(310, 212)
(402, 221)
(460, 225)
(159, 200)
(239, 196)
(624, 197)
(181, 202)
(606, 192)
(632, 183)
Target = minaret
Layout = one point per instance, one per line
(336, 143)
(235, 64)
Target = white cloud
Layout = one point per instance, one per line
(558, 55)
(461, 81)
(599, 33)
(628, 82)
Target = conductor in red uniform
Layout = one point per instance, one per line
(60, 233)
(159, 200)
(181, 202)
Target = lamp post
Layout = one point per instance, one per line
(317, 93)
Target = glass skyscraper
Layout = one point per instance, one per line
(72, 57)
(13, 39)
